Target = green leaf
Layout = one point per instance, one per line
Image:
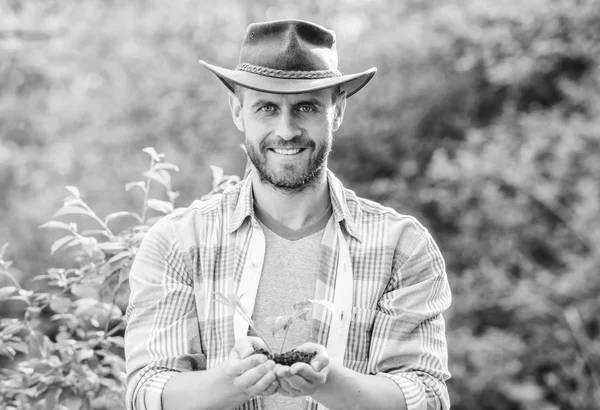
(71, 210)
(172, 196)
(60, 304)
(64, 316)
(112, 246)
(85, 305)
(70, 201)
(152, 152)
(84, 354)
(117, 257)
(221, 298)
(7, 351)
(139, 184)
(57, 225)
(111, 217)
(7, 291)
(73, 190)
(36, 349)
(84, 290)
(13, 328)
(90, 232)
(123, 276)
(161, 206)
(52, 398)
(309, 302)
(21, 298)
(86, 404)
(117, 341)
(165, 166)
(20, 346)
(277, 323)
(3, 250)
(59, 243)
(89, 245)
(25, 292)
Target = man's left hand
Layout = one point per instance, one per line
(302, 379)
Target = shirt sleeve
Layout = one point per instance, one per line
(162, 336)
(409, 343)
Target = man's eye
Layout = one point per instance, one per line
(267, 108)
(306, 109)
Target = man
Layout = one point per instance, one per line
(289, 231)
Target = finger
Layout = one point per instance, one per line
(244, 347)
(248, 363)
(266, 386)
(254, 376)
(257, 342)
(300, 366)
(319, 362)
(287, 390)
(272, 388)
(300, 384)
(282, 370)
(305, 371)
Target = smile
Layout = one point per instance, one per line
(287, 151)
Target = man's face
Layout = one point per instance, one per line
(288, 137)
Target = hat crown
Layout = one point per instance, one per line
(289, 45)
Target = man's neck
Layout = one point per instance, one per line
(292, 209)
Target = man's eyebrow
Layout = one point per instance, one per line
(310, 100)
(262, 102)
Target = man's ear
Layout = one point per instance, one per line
(236, 111)
(338, 114)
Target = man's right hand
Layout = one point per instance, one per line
(252, 374)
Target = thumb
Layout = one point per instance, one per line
(319, 362)
(243, 347)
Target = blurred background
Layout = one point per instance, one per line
(482, 122)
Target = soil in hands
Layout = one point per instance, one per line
(288, 358)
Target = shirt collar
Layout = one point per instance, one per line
(339, 199)
(244, 207)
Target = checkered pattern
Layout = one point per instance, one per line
(400, 291)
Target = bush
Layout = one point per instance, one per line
(78, 360)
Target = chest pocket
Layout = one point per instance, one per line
(359, 338)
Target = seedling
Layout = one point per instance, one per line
(275, 324)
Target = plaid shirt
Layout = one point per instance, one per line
(400, 292)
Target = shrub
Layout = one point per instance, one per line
(81, 365)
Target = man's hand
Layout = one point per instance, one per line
(303, 379)
(252, 374)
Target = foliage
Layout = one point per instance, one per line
(82, 365)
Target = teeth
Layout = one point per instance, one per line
(287, 151)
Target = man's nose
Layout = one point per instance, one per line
(287, 127)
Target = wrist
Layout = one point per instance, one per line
(335, 372)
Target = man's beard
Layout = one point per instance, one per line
(288, 178)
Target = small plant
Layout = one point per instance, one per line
(276, 324)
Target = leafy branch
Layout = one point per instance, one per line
(86, 358)
(235, 303)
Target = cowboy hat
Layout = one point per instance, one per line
(289, 57)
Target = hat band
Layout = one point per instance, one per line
(296, 75)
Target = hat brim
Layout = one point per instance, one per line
(350, 83)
